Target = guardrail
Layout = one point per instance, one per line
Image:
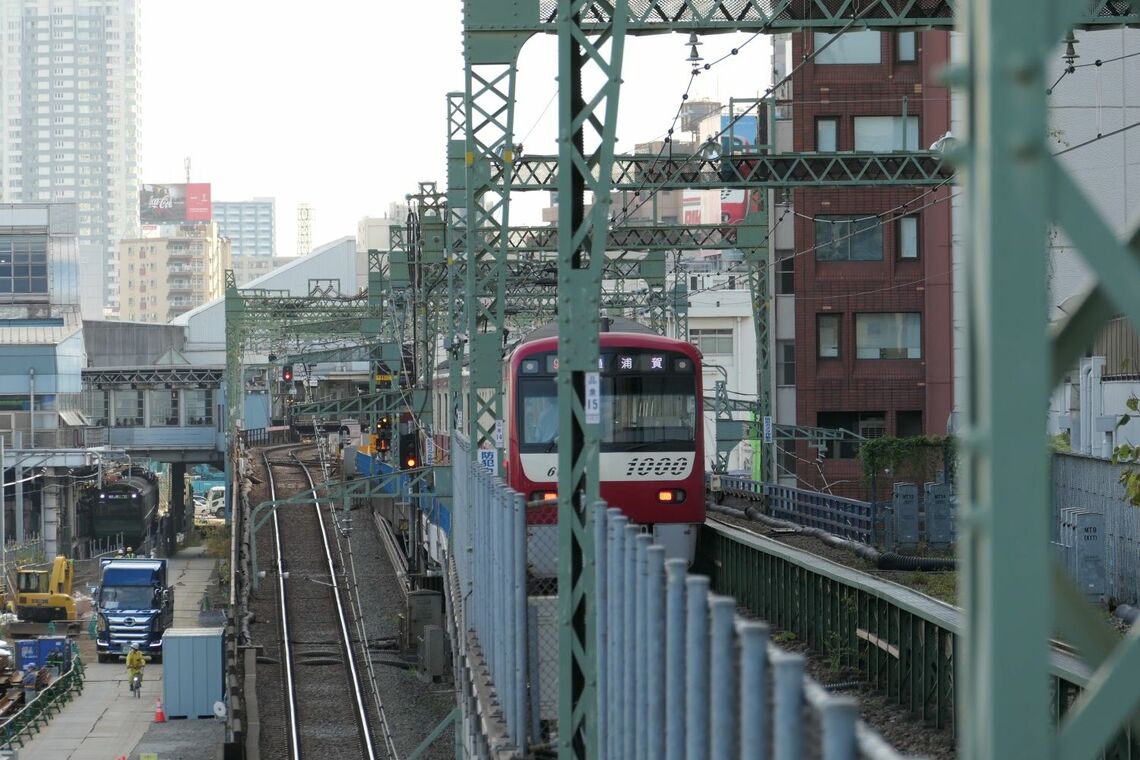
(898, 641)
(33, 716)
(266, 436)
(847, 518)
(902, 521)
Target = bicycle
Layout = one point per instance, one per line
(136, 685)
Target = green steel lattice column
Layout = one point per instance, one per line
(490, 73)
(586, 136)
(1015, 597)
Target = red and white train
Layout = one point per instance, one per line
(652, 457)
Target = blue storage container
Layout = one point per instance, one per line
(192, 661)
(27, 653)
(57, 648)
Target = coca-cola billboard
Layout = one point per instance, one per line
(175, 204)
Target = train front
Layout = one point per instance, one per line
(652, 449)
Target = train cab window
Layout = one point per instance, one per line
(648, 403)
(539, 416)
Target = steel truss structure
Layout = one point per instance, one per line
(155, 377)
(783, 170)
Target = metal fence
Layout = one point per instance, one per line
(679, 674)
(1093, 485)
(18, 729)
(915, 514)
(488, 548)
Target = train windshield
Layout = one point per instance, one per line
(639, 412)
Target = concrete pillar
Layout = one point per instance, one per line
(176, 522)
(18, 473)
(18, 477)
(49, 501)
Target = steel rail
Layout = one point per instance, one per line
(287, 659)
(358, 696)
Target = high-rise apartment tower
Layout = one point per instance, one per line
(69, 123)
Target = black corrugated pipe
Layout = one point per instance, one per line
(1127, 613)
(892, 561)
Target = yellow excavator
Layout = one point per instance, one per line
(43, 596)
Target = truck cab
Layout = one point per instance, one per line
(134, 605)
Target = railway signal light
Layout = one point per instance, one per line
(287, 373)
(409, 450)
(384, 433)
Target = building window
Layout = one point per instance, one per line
(786, 362)
(128, 408)
(785, 273)
(907, 46)
(848, 238)
(908, 424)
(23, 267)
(866, 424)
(908, 237)
(712, 341)
(888, 335)
(828, 328)
(163, 408)
(881, 134)
(97, 405)
(786, 459)
(851, 47)
(200, 407)
(827, 134)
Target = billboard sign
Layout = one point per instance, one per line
(175, 203)
(739, 135)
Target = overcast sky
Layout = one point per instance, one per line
(343, 106)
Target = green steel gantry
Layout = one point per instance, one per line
(574, 22)
(1009, 174)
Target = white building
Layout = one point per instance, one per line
(1101, 95)
(69, 123)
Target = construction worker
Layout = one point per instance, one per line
(130, 553)
(119, 553)
(135, 663)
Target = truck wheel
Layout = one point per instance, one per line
(102, 657)
(156, 659)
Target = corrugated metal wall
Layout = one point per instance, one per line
(1090, 483)
(1120, 346)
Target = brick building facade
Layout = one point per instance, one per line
(872, 267)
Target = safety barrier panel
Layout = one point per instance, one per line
(898, 641)
(488, 540)
(33, 716)
(681, 675)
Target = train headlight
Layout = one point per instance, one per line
(544, 496)
(671, 496)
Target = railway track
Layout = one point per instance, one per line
(327, 706)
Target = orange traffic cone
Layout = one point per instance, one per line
(159, 715)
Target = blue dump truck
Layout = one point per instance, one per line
(134, 604)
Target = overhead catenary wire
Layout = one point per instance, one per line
(768, 91)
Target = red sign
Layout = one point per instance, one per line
(198, 206)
